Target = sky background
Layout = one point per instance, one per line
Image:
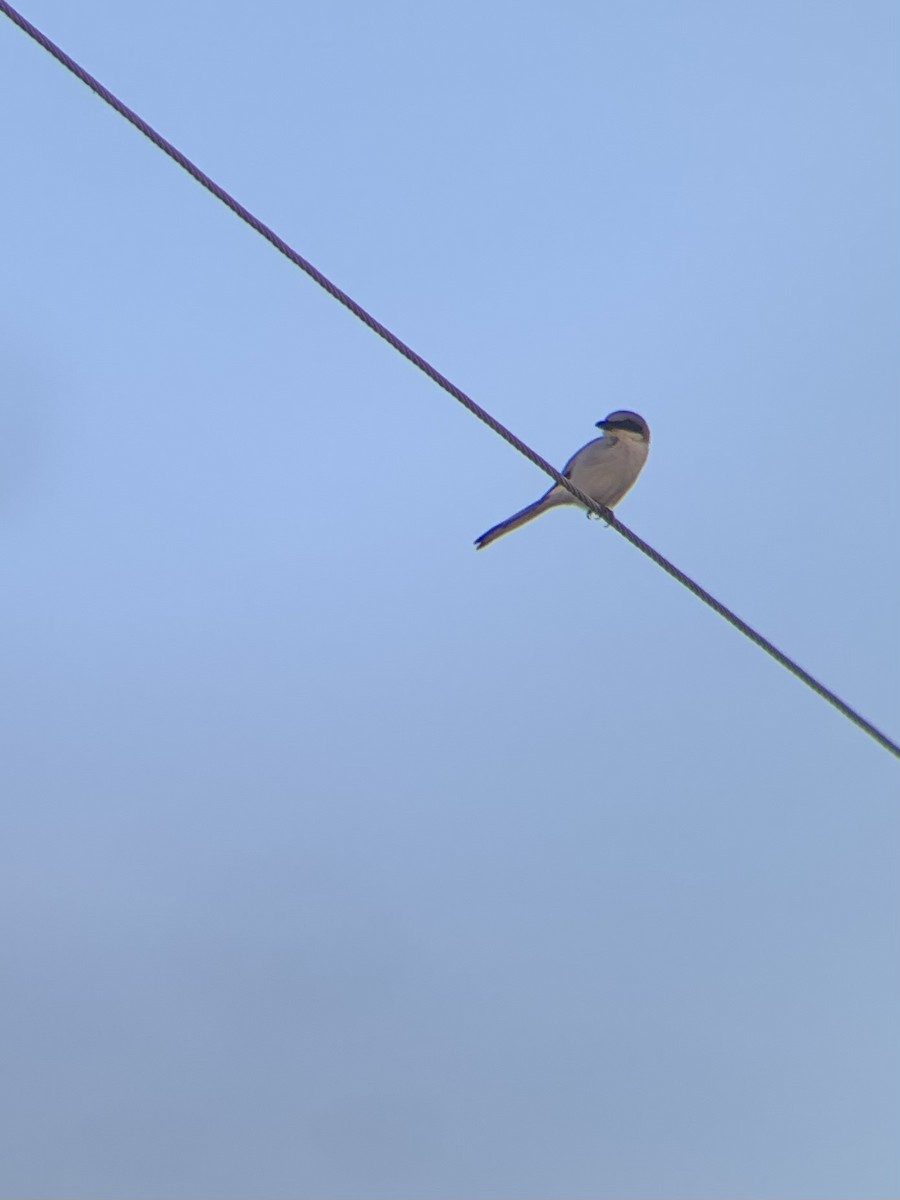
(336, 859)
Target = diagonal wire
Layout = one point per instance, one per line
(441, 380)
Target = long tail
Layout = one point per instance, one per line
(517, 519)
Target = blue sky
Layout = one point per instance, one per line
(337, 859)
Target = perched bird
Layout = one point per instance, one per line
(604, 469)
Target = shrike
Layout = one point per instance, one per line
(604, 469)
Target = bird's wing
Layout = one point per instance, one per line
(586, 454)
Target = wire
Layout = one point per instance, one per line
(416, 359)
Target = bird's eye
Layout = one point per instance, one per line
(631, 426)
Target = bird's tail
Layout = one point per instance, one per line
(517, 519)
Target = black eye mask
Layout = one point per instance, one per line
(631, 426)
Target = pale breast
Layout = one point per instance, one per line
(605, 469)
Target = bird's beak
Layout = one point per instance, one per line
(603, 424)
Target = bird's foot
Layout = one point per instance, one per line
(592, 516)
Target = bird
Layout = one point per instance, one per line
(604, 469)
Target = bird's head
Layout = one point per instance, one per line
(626, 424)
